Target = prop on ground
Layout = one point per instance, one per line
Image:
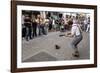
(57, 46)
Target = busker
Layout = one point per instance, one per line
(76, 33)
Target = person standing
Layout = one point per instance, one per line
(28, 24)
(46, 22)
(88, 25)
(38, 21)
(23, 26)
(34, 26)
(50, 23)
(43, 26)
(40, 25)
(85, 24)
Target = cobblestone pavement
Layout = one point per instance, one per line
(43, 48)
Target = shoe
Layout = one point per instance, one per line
(76, 54)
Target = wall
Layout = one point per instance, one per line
(5, 36)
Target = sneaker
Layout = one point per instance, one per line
(76, 54)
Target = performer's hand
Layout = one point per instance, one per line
(68, 33)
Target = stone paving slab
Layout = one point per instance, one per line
(42, 56)
(46, 44)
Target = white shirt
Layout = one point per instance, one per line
(85, 22)
(75, 30)
(53, 22)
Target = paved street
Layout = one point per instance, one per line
(43, 48)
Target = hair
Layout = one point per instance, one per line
(70, 22)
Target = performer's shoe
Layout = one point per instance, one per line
(76, 54)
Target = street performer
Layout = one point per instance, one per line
(76, 33)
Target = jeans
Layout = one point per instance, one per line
(76, 41)
(28, 33)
